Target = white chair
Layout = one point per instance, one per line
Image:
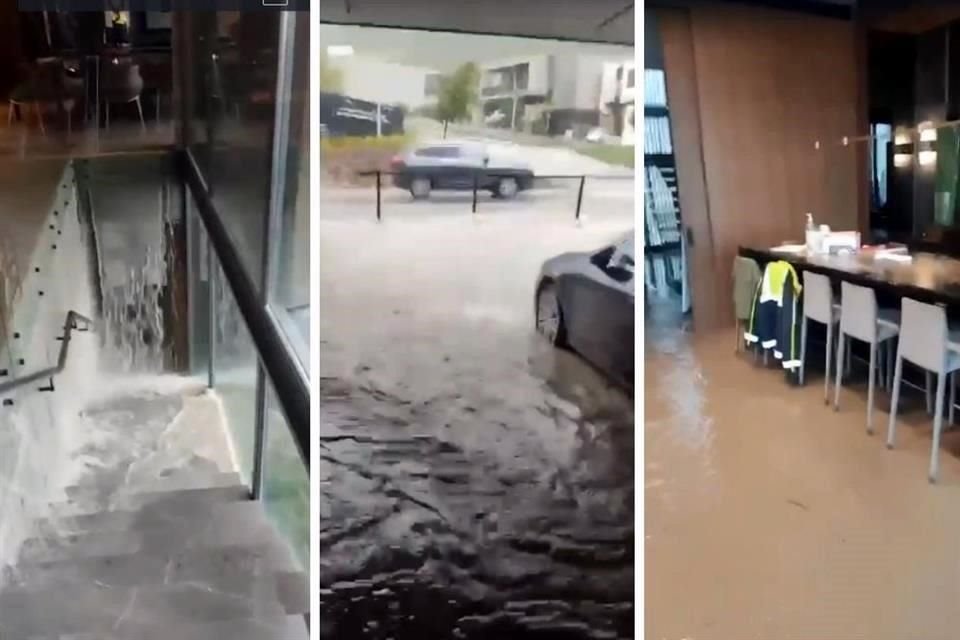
(818, 305)
(927, 342)
(861, 319)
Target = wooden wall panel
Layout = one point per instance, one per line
(768, 84)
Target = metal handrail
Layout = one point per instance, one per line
(493, 173)
(290, 385)
(69, 325)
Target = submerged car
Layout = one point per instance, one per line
(584, 301)
(458, 166)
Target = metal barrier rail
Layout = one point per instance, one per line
(69, 325)
(492, 174)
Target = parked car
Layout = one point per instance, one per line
(584, 301)
(454, 166)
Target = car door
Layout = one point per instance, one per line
(617, 302)
(600, 313)
(440, 163)
(465, 167)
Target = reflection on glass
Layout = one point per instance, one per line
(286, 483)
(235, 373)
(945, 155)
(289, 291)
(230, 129)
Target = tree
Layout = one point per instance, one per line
(458, 93)
(331, 76)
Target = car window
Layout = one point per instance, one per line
(438, 152)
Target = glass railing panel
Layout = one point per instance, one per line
(235, 372)
(200, 261)
(286, 482)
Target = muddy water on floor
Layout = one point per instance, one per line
(428, 531)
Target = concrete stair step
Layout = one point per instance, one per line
(285, 628)
(243, 571)
(128, 612)
(89, 498)
(161, 529)
(184, 504)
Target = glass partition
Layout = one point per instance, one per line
(234, 372)
(230, 121)
(286, 483)
(289, 282)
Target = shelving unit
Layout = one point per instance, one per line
(663, 249)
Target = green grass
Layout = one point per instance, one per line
(617, 154)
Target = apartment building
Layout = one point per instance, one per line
(556, 93)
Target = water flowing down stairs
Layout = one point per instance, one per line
(176, 559)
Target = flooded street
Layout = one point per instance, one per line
(475, 483)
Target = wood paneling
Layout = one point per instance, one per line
(768, 85)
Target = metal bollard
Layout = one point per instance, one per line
(583, 179)
(474, 193)
(378, 196)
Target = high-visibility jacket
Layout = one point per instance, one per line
(775, 321)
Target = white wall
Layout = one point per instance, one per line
(378, 81)
(38, 430)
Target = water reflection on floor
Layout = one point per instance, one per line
(768, 515)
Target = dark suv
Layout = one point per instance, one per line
(458, 166)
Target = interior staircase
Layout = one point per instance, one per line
(180, 560)
(153, 541)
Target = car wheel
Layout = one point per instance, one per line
(507, 187)
(550, 316)
(420, 188)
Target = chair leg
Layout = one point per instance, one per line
(106, 109)
(143, 124)
(892, 425)
(36, 108)
(953, 395)
(738, 334)
(803, 349)
(891, 355)
(848, 368)
(937, 429)
(10, 114)
(929, 385)
(827, 361)
(871, 376)
(840, 353)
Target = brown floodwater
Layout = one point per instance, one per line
(770, 516)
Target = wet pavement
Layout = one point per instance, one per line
(474, 482)
(769, 515)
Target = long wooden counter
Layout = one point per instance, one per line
(928, 277)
